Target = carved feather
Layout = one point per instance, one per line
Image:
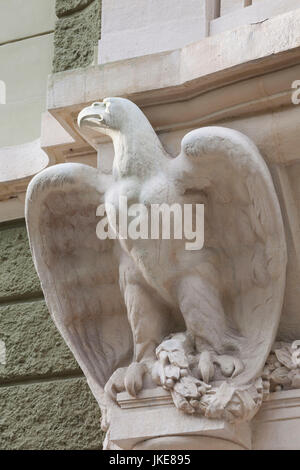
(246, 229)
(78, 272)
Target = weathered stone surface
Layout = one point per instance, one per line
(67, 7)
(18, 278)
(75, 38)
(34, 348)
(51, 415)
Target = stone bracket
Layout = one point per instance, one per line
(154, 415)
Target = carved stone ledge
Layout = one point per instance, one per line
(151, 421)
(276, 426)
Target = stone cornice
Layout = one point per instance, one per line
(246, 71)
(184, 73)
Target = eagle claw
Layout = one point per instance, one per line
(134, 375)
(230, 366)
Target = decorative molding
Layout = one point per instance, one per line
(282, 369)
(153, 418)
(276, 425)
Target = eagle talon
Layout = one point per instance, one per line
(230, 366)
(206, 366)
(134, 375)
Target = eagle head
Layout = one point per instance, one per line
(138, 149)
(110, 114)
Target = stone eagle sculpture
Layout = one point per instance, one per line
(142, 313)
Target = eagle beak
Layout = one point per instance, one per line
(92, 116)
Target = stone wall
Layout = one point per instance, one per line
(77, 33)
(45, 402)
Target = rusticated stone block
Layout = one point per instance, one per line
(67, 7)
(75, 38)
(58, 415)
(34, 348)
(18, 278)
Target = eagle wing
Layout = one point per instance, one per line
(243, 225)
(78, 272)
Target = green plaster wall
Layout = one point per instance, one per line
(45, 402)
(77, 32)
